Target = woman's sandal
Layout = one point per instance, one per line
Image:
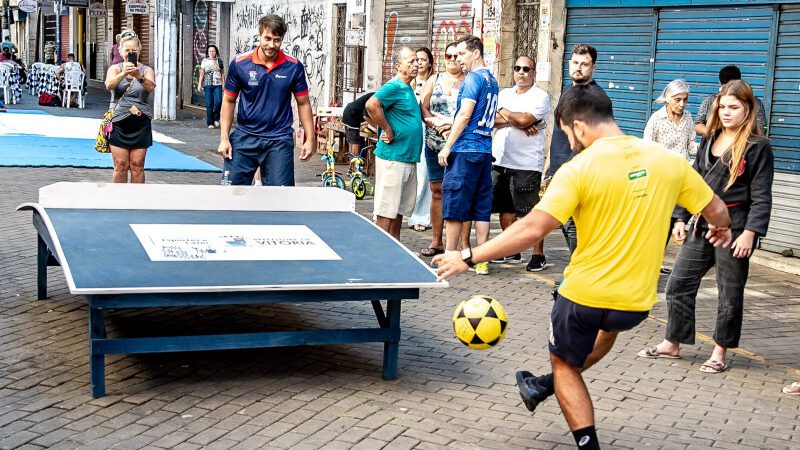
(431, 251)
(713, 366)
(654, 353)
(419, 227)
(792, 389)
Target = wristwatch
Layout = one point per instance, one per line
(466, 256)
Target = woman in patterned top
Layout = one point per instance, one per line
(672, 124)
(212, 73)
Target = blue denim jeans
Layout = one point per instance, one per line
(213, 95)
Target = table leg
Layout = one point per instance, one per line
(42, 257)
(97, 369)
(391, 348)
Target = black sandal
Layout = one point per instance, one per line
(431, 251)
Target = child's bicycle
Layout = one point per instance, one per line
(329, 177)
(358, 185)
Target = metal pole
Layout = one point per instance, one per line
(57, 6)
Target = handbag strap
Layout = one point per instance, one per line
(116, 105)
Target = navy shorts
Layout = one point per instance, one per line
(275, 157)
(467, 187)
(435, 170)
(574, 328)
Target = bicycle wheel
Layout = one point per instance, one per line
(339, 182)
(328, 181)
(358, 187)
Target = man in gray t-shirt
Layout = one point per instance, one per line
(726, 74)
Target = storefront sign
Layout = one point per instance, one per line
(76, 3)
(28, 6)
(97, 9)
(137, 7)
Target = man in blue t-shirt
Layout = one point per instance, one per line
(395, 110)
(264, 80)
(467, 154)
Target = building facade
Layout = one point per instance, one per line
(644, 44)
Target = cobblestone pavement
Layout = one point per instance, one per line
(334, 397)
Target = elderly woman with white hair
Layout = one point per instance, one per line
(672, 124)
(673, 127)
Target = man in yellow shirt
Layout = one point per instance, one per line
(620, 191)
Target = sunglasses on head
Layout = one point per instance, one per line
(449, 56)
(525, 69)
(128, 34)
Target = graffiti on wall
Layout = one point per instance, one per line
(390, 35)
(199, 43)
(448, 31)
(306, 36)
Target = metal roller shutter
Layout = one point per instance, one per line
(624, 43)
(205, 32)
(102, 47)
(141, 25)
(785, 136)
(451, 20)
(407, 24)
(694, 44)
(784, 127)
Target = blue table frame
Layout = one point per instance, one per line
(388, 318)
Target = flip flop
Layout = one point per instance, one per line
(431, 251)
(713, 366)
(653, 353)
(792, 389)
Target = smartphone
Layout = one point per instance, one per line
(133, 58)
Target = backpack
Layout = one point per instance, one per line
(46, 99)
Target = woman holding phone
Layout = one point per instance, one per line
(131, 84)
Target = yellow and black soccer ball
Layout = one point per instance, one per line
(480, 322)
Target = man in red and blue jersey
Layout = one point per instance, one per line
(264, 80)
(467, 154)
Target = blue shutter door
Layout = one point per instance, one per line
(624, 42)
(694, 44)
(785, 118)
(784, 134)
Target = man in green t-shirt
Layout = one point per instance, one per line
(395, 110)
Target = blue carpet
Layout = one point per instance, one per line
(27, 111)
(40, 151)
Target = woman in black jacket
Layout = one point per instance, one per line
(736, 160)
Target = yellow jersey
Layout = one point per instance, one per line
(621, 192)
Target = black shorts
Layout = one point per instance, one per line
(353, 136)
(574, 328)
(515, 191)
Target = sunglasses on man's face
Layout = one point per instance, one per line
(449, 56)
(525, 69)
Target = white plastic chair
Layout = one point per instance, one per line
(73, 82)
(5, 84)
(33, 77)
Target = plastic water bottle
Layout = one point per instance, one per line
(226, 178)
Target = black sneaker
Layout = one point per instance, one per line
(532, 389)
(537, 263)
(513, 259)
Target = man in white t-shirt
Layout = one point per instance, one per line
(518, 149)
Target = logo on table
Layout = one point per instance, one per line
(253, 81)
